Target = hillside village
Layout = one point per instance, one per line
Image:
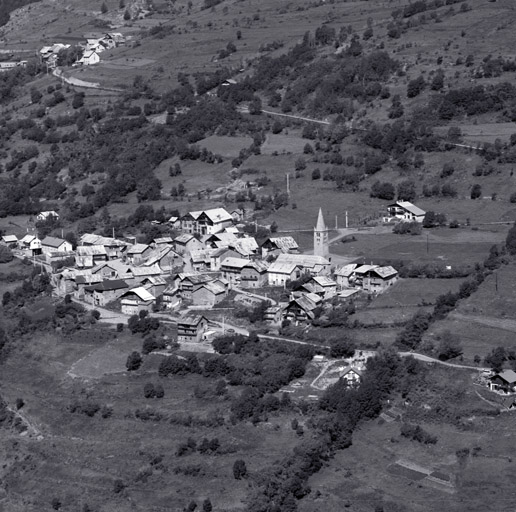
(207, 260)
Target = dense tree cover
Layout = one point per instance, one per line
(7, 6)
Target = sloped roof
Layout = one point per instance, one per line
(218, 215)
(51, 241)
(283, 243)
(146, 271)
(507, 375)
(138, 249)
(278, 267)
(183, 239)
(239, 263)
(245, 246)
(259, 266)
(27, 239)
(157, 254)
(324, 281)
(407, 205)
(163, 240)
(302, 260)
(384, 272)
(321, 226)
(91, 250)
(346, 270)
(141, 292)
(191, 320)
(9, 238)
(156, 280)
(362, 269)
(108, 285)
(214, 288)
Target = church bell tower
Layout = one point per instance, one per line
(320, 237)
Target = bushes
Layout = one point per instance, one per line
(416, 433)
(134, 361)
(405, 228)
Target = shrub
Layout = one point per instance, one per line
(476, 191)
(405, 228)
(134, 361)
(416, 433)
(239, 469)
(148, 390)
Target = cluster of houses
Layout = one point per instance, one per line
(91, 49)
(199, 267)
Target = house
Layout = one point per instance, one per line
(254, 275)
(220, 240)
(113, 269)
(219, 255)
(7, 66)
(187, 282)
(136, 300)
(106, 291)
(238, 214)
(278, 245)
(315, 265)
(43, 216)
(51, 244)
(170, 297)
(165, 257)
(113, 39)
(279, 273)
(323, 286)
(404, 211)
(344, 274)
(137, 253)
(162, 241)
(186, 243)
(10, 241)
(31, 244)
(302, 309)
(208, 294)
(504, 381)
(154, 284)
(199, 261)
(114, 248)
(89, 57)
(191, 328)
(246, 247)
(231, 269)
(373, 278)
(88, 256)
(273, 314)
(351, 375)
(206, 222)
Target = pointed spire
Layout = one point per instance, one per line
(321, 226)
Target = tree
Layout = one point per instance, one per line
(406, 190)
(396, 109)
(148, 390)
(239, 469)
(6, 255)
(35, 95)
(510, 241)
(476, 191)
(207, 506)
(437, 82)
(429, 219)
(127, 15)
(316, 174)
(449, 346)
(277, 127)
(415, 87)
(255, 106)
(300, 164)
(121, 4)
(343, 347)
(134, 361)
(104, 8)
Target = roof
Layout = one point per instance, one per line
(194, 278)
(191, 320)
(218, 215)
(93, 239)
(324, 281)
(302, 260)
(245, 246)
(507, 375)
(27, 239)
(108, 285)
(347, 292)
(277, 267)
(321, 226)
(91, 250)
(350, 369)
(163, 240)
(141, 292)
(117, 265)
(259, 266)
(385, 271)
(202, 255)
(183, 239)
(137, 249)
(214, 288)
(346, 270)
(362, 269)
(284, 243)
(88, 279)
(9, 238)
(156, 280)
(407, 205)
(221, 239)
(239, 263)
(51, 241)
(146, 271)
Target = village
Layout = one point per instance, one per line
(211, 261)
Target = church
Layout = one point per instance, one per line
(321, 246)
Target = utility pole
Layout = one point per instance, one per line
(336, 222)
(288, 184)
(346, 219)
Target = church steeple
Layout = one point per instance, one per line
(320, 237)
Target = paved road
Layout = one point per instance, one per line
(506, 324)
(428, 359)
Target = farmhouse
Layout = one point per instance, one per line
(323, 286)
(404, 211)
(302, 309)
(373, 278)
(315, 265)
(279, 273)
(10, 240)
(51, 244)
(165, 257)
(273, 314)
(220, 240)
(246, 247)
(351, 375)
(136, 300)
(187, 282)
(114, 269)
(344, 275)
(170, 297)
(114, 248)
(154, 284)
(191, 328)
(90, 57)
(106, 291)
(504, 381)
(31, 244)
(42, 216)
